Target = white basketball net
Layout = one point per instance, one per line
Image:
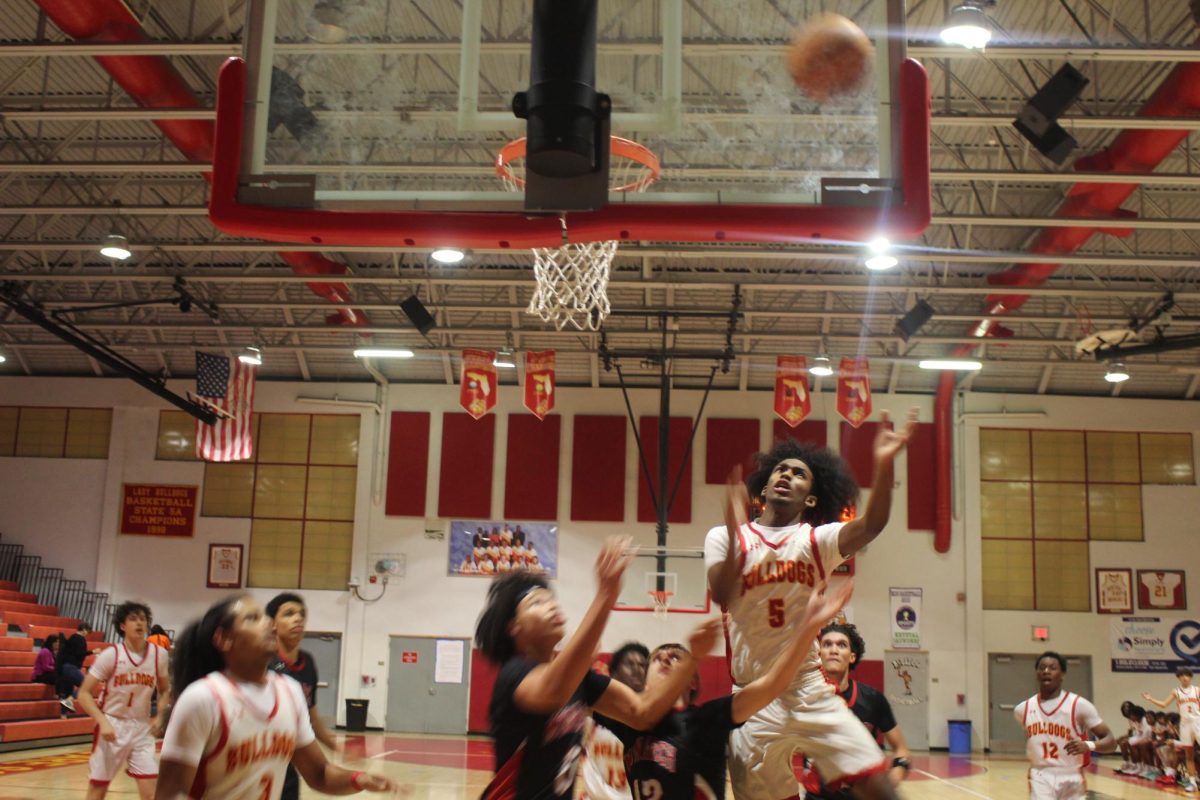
(572, 280)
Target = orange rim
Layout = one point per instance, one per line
(625, 148)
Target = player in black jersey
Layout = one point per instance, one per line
(842, 647)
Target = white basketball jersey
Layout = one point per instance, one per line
(1189, 702)
(780, 569)
(128, 681)
(1049, 726)
(603, 768)
(253, 750)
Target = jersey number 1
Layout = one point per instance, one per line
(775, 612)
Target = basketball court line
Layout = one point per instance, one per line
(939, 779)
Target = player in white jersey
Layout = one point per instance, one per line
(1187, 697)
(1057, 725)
(602, 769)
(125, 677)
(236, 725)
(762, 574)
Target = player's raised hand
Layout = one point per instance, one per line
(703, 638)
(615, 556)
(737, 500)
(824, 603)
(888, 442)
(373, 782)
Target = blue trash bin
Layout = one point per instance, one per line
(960, 736)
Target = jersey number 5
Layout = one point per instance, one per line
(775, 612)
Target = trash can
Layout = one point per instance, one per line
(356, 715)
(960, 735)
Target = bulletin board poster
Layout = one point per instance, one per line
(481, 548)
(154, 510)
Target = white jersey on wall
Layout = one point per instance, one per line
(780, 569)
(128, 680)
(1050, 724)
(1189, 703)
(1161, 588)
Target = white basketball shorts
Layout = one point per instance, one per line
(1057, 784)
(134, 746)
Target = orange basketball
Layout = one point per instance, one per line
(830, 57)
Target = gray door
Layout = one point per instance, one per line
(417, 703)
(1011, 679)
(326, 649)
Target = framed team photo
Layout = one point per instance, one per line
(1114, 590)
(483, 548)
(225, 566)
(1161, 590)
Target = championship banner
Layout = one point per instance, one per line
(854, 390)
(792, 401)
(1154, 644)
(539, 383)
(477, 394)
(906, 618)
(906, 686)
(149, 510)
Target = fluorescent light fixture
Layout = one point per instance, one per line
(115, 246)
(1116, 373)
(504, 359)
(878, 263)
(383, 352)
(251, 356)
(447, 255)
(961, 364)
(967, 26)
(821, 367)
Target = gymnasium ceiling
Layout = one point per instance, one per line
(63, 165)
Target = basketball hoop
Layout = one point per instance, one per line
(662, 603)
(572, 280)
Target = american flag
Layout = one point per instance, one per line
(225, 385)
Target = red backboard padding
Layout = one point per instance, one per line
(857, 447)
(729, 442)
(408, 464)
(813, 431)
(465, 477)
(598, 468)
(531, 467)
(922, 486)
(677, 442)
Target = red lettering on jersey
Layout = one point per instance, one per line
(260, 747)
(780, 572)
(1048, 729)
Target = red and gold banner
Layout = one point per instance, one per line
(792, 400)
(539, 383)
(149, 510)
(854, 390)
(477, 394)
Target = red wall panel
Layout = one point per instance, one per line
(922, 486)
(531, 467)
(811, 430)
(681, 432)
(857, 447)
(465, 476)
(408, 464)
(598, 468)
(729, 442)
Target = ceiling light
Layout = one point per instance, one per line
(821, 367)
(1116, 373)
(962, 364)
(967, 26)
(383, 352)
(2, 358)
(879, 245)
(878, 263)
(115, 246)
(251, 356)
(504, 359)
(447, 255)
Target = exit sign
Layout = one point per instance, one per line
(1040, 633)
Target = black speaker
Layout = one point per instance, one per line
(418, 315)
(1037, 120)
(917, 316)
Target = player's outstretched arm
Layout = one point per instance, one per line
(548, 687)
(723, 576)
(860, 532)
(328, 778)
(1105, 741)
(822, 606)
(898, 745)
(1145, 696)
(643, 711)
(87, 703)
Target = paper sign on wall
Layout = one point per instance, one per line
(906, 618)
(448, 661)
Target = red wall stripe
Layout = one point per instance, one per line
(465, 477)
(598, 468)
(922, 506)
(531, 467)
(681, 432)
(857, 447)
(729, 442)
(408, 464)
(814, 431)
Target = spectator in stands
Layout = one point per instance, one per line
(159, 637)
(44, 669)
(70, 665)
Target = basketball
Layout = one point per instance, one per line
(830, 57)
